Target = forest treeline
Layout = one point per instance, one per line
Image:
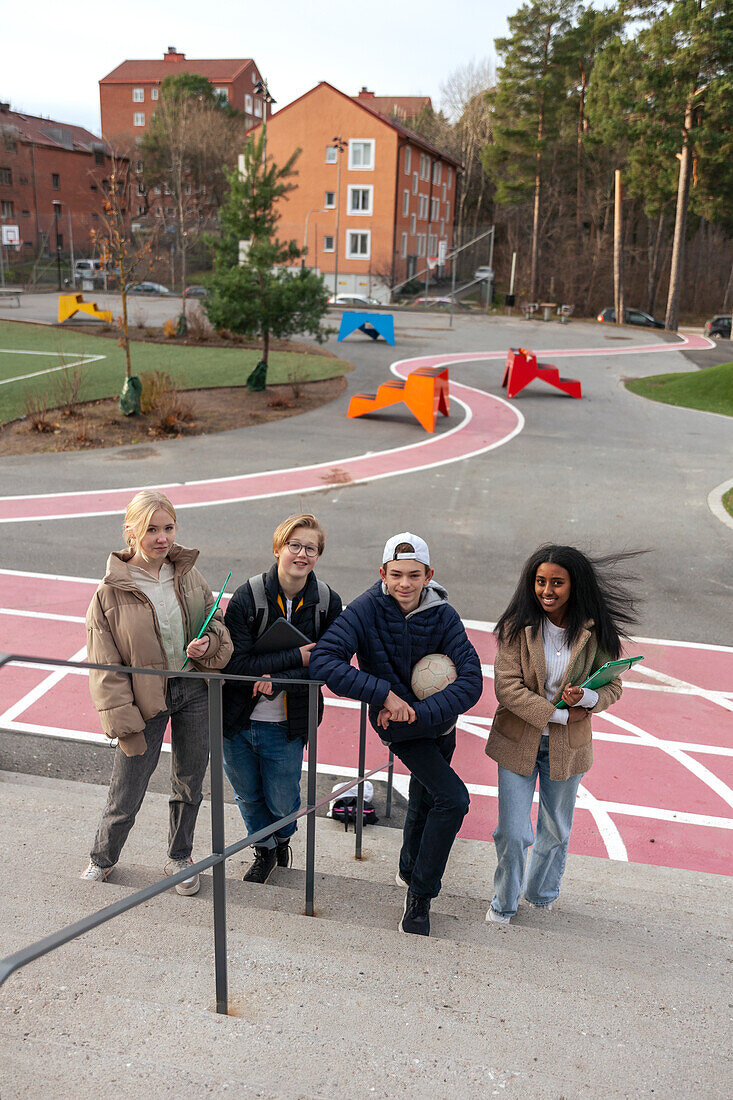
(579, 93)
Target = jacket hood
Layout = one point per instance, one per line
(118, 575)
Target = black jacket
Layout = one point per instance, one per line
(242, 623)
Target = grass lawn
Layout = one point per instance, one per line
(102, 362)
(710, 389)
(728, 501)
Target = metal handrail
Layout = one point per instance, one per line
(220, 851)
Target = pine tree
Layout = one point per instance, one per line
(252, 292)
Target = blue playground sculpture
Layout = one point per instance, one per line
(371, 324)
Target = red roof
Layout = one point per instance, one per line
(403, 106)
(219, 69)
(49, 132)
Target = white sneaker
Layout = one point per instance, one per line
(401, 881)
(190, 885)
(542, 908)
(93, 873)
(496, 918)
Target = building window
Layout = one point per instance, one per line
(424, 167)
(187, 189)
(360, 200)
(92, 187)
(408, 159)
(55, 181)
(26, 213)
(140, 210)
(358, 245)
(447, 211)
(6, 177)
(329, 200)
(415, 183)
(248, 103)
(413, 223)
(140, 187)
(98, 157)
(432, 244)
(443, 192)
(423, 208)
(139, 167)
(437, 171)
(450, 175)
(258, 108)
(421, 244)
(331, 153)
(405, 203)
(434, 209)
(328, 244)
(138, 95)
(138, 119)
(223, 94)
(6, 209)
(404, 245)
(11, 143)
(153, 93)
(361, 155)
(442, 228)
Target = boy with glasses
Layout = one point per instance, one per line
(266, 727)
(390, 627)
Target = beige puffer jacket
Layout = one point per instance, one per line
(122, 629)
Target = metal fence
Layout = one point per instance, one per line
(220, 850)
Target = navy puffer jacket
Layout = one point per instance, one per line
(388, 644)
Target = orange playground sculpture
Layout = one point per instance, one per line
(522, 368)
(424, 391)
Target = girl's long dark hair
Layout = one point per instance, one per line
(598, 591)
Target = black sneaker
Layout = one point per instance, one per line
(416, 917)
(263, 866)
(284, 854)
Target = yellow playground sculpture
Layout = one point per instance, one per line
(69, 304)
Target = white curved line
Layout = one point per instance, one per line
(699, 770)
(608, 830)
(715, 502)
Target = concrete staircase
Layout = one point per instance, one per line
(619, 992)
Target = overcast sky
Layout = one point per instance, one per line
(54, 56)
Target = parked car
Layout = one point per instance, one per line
(197, 291)
(631, 317)
(484, 272)
(352, 300)
(147, 288)
(438, 303)
(719, 327)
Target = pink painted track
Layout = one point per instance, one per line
(659, 791)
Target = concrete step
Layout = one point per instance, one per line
(617, 992)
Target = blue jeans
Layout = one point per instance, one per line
(513, 835)
(437, 805)
(264, 769)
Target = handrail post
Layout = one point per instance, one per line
(218, 844)
(310, 828)
(361, 767)
(390, 781)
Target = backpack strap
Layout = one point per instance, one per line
(324, 600)
(259, 596)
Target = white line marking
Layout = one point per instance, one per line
(682, 687)
(42, 615)
(610, 835)
(51, 370)
(40, 690)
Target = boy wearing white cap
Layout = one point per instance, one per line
(390, 627)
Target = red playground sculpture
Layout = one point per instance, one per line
(522, 368)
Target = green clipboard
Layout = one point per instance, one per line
(604, 675)
(210, 616)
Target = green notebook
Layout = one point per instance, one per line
(210, 616)
(604, 675)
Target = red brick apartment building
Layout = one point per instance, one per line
(129, 94)
(373, 212)
(52, 179)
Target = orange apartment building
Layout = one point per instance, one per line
(53, 177)
(129, 94)
(372, 213)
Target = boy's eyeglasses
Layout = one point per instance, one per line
(296, 547)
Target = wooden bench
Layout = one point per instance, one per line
(424, 391)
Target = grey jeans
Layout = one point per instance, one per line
(187, 709)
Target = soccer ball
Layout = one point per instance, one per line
(432, 673)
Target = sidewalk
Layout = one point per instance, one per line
(619, 992)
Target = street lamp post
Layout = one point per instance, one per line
(340, 146)
(315, 210)
(57, 224)
(262, 89)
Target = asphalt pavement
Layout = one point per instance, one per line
(612, 471)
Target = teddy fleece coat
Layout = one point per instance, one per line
(523, 712)
(122, 629)
(388, 644)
